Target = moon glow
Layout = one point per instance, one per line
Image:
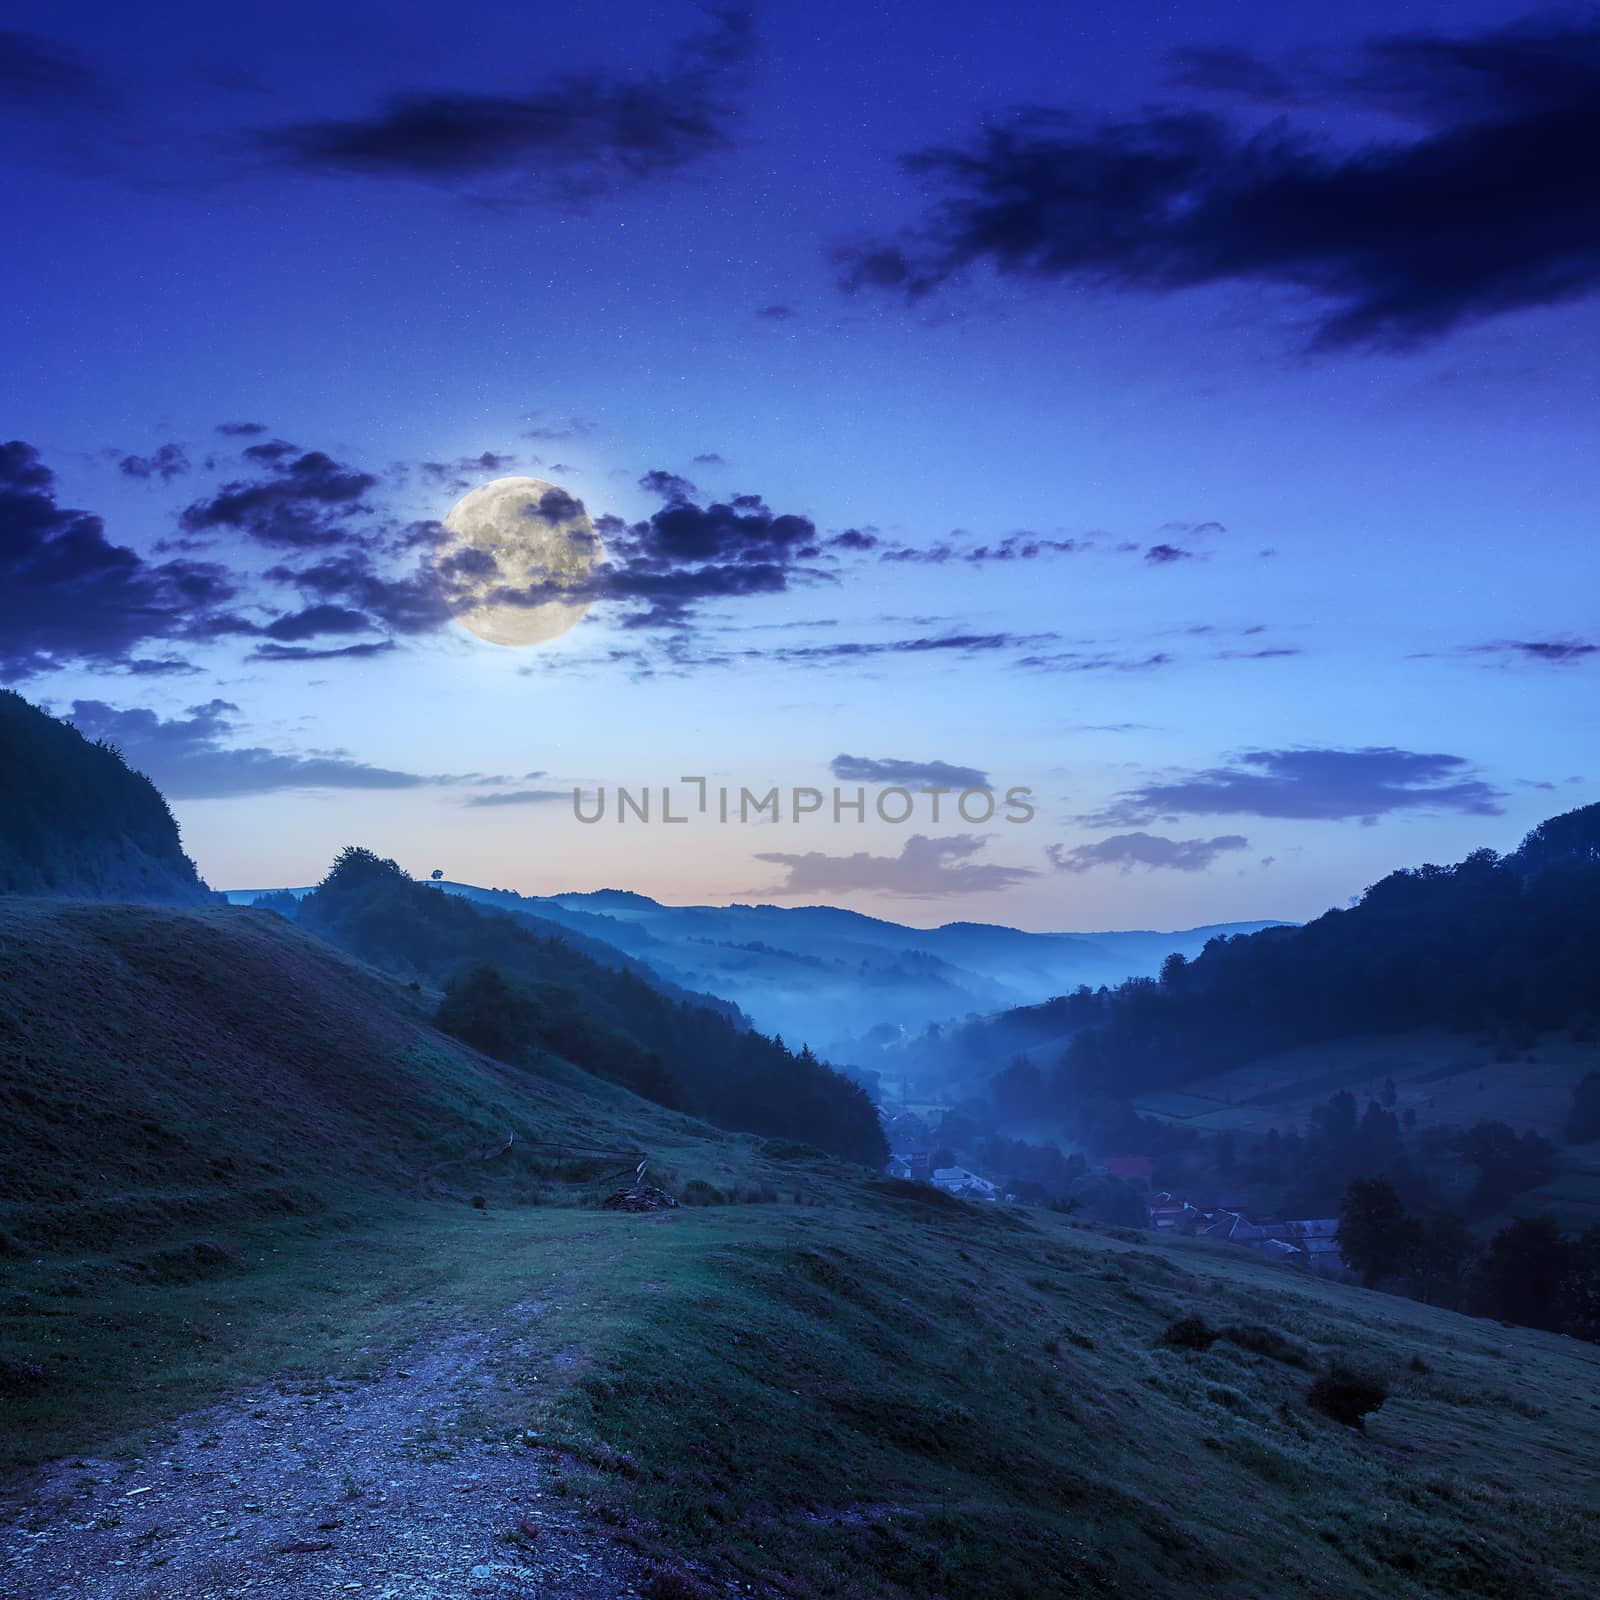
(517, 537)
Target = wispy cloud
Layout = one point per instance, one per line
(925, 869)
(1480, 211)
(1321, 784)
(1151, 851)
(576, 137)
(1541, 652)
(933, 774)
(518, 797)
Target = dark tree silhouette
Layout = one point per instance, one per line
(1376, 1237)
(1527, 1273)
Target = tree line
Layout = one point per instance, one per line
(1503, 945)
(76, 819)
(522, 996)
(1530, 1272)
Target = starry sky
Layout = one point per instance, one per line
(1187, 413)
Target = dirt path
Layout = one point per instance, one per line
(382, 1488)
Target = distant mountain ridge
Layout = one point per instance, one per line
(847, 983)
(77, 822)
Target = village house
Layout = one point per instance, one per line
(968, 1185)
(1170, 1215)
(1307, 1242)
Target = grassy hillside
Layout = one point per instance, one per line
(186, 1093)
(897, 1396)
(695, 1055)
(212, 1168)
(1444, 1078)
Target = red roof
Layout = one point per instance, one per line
(1129, 1166)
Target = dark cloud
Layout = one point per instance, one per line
(569, 140)
(560, 432)
(241, 430)
(853, 539)
(1324, 785)
(68, 594)
(709, 458)
(924, 869)
(557, 507)
(315, 620)
(519, 797)
(168, 462)
(158, 667)
(1547, 652)
(1162, 555)
(777, 313)
(685, 554)
(1272, 653)
(1094, 661)
(1014, 547)
(934, 774)
(1148, 850)
(406, 604)
(191, 757)
(1193, 530)
(1487, 205)
(343, 652)
(299, 499)
(954, 643)
(1437, 80)
(460, 474)
(669, 486)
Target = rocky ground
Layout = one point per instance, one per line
(389, 1488)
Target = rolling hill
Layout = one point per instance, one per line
(226, 1158)
(856, 988)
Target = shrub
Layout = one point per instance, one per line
(1348, 1394)
(670, 1584)
(1261, 1340)
(1189, 1333)
(697, 1192)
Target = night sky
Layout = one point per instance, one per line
(1187, 412)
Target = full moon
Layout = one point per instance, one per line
(517, 534)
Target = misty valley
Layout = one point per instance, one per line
(1317, 1204)
(798, 801)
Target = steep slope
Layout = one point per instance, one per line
(184, 1094)
(1501, 945)
(169, 1071)
(595, 1013)
(76, 821)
